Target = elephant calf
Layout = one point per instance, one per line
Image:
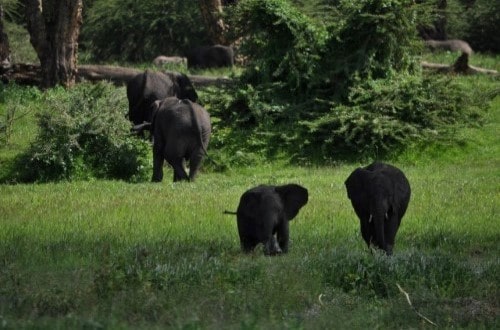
(264, 211)
(181, 132)
(379, 194)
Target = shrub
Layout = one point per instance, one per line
(84, 135)
(281, 44)
(373, 39)
(383, 115)
(356, 91)
(141, 30)
(484, 19)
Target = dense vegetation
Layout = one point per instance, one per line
(327, 85)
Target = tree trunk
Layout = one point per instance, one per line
(4, 45)
(211, 11)
(54, 26)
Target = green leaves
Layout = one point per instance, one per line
(83, 135)
(282, 44)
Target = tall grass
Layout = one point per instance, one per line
(110, 254)
(113, 254)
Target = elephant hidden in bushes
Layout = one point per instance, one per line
(379, 194)
(181, 132)
(216, 56)
(147, 87)
(264, 211)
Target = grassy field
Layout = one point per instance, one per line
(110, 254)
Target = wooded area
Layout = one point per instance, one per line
(54, 28)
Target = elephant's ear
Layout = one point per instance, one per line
(293, 197)
(356, 183)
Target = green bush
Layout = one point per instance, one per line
(140, 30)
(83, 135)
(356, 91)
(384, 115)
(282, 45)
(372, 39)
(484, 19)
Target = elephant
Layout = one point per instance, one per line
(264, 211)
(147, 87)
(210, 57)
(161, 60)
(181, 131)
(454, 45)
(379, 194)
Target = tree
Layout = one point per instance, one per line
(4, 45)
(54, 26)
(211, 11)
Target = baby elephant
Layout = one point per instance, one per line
(379, 194)
(265, 211)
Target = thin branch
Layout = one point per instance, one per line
(411, 305)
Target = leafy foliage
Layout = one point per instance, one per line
(483, 19)
(350, 88)
(83, 136)
(281, 44)
(141, 30)
(385, 114)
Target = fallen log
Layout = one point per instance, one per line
(117, 74)
(461, 66)
(30, 74)
(121, 75)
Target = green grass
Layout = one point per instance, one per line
(117, 255)
(163, 255)
(110, 254)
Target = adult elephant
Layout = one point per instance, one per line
(216, 56)
(147, 87)
(264, 211)
(181, 132)
(379, 194)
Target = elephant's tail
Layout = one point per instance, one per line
(229, 212)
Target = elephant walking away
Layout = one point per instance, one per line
(379, 194)
(205, 57)
(147, 87)
(181, 132)
(263, 215)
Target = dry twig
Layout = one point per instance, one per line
(411, 305)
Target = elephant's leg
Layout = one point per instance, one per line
(391, 227)
(272, 247)
(158, 159)
(195, 163)
(179, 171)
(283, 234)
(378, 222)
(176, 160)
(247, 245)
(366, 231)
